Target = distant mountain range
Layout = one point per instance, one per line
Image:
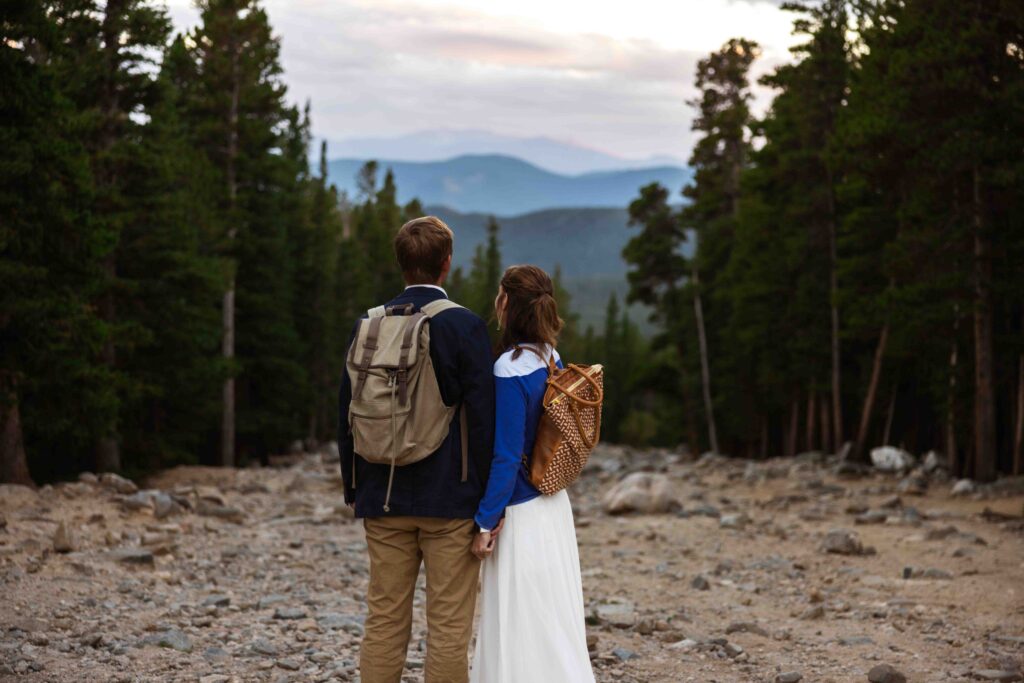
(547, 153)
(586, 242)
(506, 185)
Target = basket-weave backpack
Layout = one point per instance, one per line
(397, 416)
(570, 424)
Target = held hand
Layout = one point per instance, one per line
(483, 545)
(497, 530)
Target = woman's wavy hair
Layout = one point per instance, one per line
(531, 312)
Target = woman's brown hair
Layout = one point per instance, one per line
(531, 313)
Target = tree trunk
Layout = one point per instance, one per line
(812, 404)
(692, 434)
(826, 428)
(764, 437)
(108, 446)
(791, 432)
(869, 398)
(952, 458)
(13, 463)
(984, 399)
(705, 371)
(837, 401)
(887, 434)
(1018, 436)
(227, 445)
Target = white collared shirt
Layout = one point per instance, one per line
(440, 289)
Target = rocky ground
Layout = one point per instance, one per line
(714, 570)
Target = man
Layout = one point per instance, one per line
(428, 513)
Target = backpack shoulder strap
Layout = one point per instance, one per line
(438, 306)
(369, 346)
(376, 312)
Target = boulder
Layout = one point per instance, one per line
(118, 483)
(844, 542)
(644, 492)
(891, 459)
(964, 487)
(14, 496)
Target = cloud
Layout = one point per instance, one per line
(392, 66)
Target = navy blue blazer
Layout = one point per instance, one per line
(433, 487)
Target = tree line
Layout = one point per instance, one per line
(859, 267)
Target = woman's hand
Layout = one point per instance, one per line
(483, 545)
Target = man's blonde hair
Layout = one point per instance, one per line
(422, 245)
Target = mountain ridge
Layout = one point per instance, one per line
(506, 185)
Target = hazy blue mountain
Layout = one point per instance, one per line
(586, 242)
(506, 185)
(547, 153)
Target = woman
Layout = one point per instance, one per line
(531, 620)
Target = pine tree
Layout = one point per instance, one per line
(47, 246)
(242, 123)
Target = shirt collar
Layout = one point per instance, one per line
(440, 289)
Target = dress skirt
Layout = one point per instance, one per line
(532, 626)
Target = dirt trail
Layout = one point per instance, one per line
(258, 574)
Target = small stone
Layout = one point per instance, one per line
(289, 613)
(264, 647)
(872, 517)
(173, 639)
(733, 521)
(217, 601)
(733, 650)
(216, 654)
(164, 505)
(118, 483)
(214, 678)
(789, 677)
(621, 614)
(843, 542)
(891, 503)
(964, 487)
(624, 655)
(813, 612)
(997, 675)
(700, 583)
(746, 627)
(63, 540)
(131, 556)
(884, 673)
(289, 664)
(939, 533)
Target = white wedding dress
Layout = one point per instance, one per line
(532, 626)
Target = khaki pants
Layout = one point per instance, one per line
(397, 545)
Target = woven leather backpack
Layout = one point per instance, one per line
(570, 424)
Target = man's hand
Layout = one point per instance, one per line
(483, 545)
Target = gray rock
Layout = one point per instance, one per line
(211, 509)
(884, 673)
(996, 675)
(643, 492)
(844, 542)
(216, 654)
(131, 556)
(349, 623)
(746, 627)
(621, 614)
(624, 655)
(942, 532)
(173, 639)
(141, 500)
(289, 664)
(872, 517)
(164, 505)
(789, 677)
(264, 647)
(118, 483)
(964, 487)
(289, 613)
(733, 521)
(271, 600)
(700, 583)
(813, 612)
(890, 459)
(217, 601)
(850, 641)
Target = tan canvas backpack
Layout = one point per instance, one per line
(570, 424)
(397, 416)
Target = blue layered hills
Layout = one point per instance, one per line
(505, 186)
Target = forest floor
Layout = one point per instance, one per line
(222, 575)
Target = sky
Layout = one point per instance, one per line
(611, 76)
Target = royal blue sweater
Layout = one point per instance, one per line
(519, 386)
